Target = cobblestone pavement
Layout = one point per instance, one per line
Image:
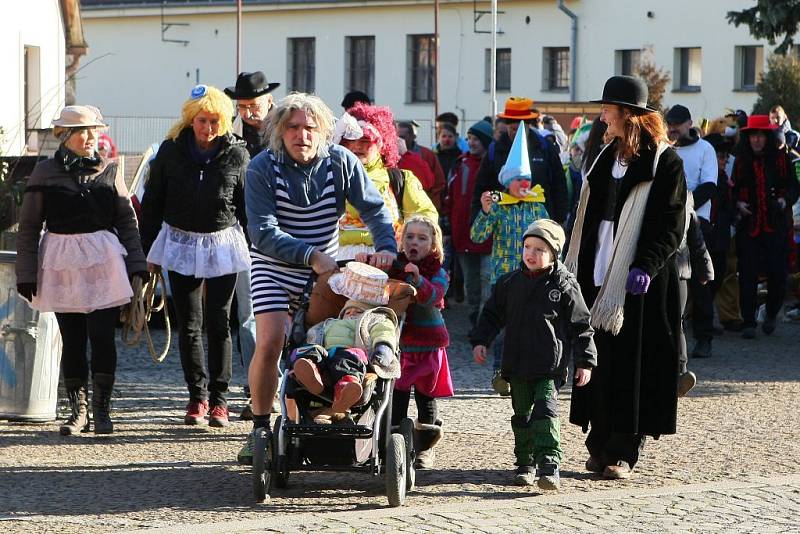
(733, 466)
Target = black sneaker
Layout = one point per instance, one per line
(549, 479)
(702, 349)
(749, 332)
(525, 475)
(768, 326)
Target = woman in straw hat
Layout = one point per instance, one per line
(80, 267)
(629, 223)
(192, 220)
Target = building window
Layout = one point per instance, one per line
(421, 68)
(749, 67)
(359, 58)
(502, 70)
(555, 64)
(690, 68)
(300, 60)
(626, 62)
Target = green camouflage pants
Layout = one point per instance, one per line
(537, 429)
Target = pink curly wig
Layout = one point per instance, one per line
(382, 119)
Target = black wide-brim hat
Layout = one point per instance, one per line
(626, 91)
(250, 85)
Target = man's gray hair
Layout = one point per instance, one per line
(275, 125)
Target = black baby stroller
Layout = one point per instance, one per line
(367, 442)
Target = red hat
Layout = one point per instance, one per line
(759, 122)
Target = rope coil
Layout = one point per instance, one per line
(137, 314)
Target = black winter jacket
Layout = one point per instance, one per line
(194, 197)
(546, 321)
(546, 169)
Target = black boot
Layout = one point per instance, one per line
(78, 421)
(103, 385)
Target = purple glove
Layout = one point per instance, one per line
(638, 282)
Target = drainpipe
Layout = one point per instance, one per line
(574, 48)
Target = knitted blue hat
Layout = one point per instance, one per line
(518, 165)
(483, 131)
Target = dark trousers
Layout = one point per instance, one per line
(610, 447)
(603, 443)
(683, 354)
(766, 253)
(426, 407)
(187, 295)
(99, 327)
(703, 294)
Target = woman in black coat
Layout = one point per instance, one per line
(192, 219)
(629, 224)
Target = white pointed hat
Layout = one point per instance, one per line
(518, 165)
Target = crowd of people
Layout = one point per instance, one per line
(575, 251)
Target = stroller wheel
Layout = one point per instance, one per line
(396, 472)
(407, 430)
(280, 464)
(262, 460)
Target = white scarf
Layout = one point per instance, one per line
(608, 311)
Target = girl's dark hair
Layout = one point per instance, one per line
(594, 143)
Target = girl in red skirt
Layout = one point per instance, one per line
(424, 338)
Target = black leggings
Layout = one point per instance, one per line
(187, 294)
(99, 327)
(426, 407)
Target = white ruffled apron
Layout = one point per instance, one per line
(81, 273)
(199, 254)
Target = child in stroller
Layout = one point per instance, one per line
(335, 360)
(347, 360)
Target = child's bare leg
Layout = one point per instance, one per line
(291, 407)
(307, 373)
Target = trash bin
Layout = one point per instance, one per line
(30, 353)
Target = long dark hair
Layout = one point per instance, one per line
(773, 159)
(594, 143)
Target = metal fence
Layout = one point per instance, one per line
(133, 135)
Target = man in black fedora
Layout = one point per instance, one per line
(252, 93)
(253, 102)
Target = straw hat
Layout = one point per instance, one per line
(361, 282)
(79, 117)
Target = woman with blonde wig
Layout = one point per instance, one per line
(192, 219)
(629, 223)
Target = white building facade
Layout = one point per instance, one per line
(33, 65)
(146, 56)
